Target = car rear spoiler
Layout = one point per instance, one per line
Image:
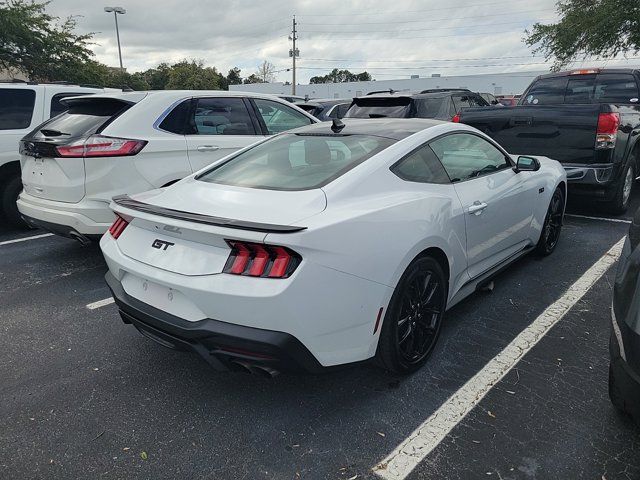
(130, 203)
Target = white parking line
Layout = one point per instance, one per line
(399, 464)
(100, 303)
(24, 239)
(604, 219)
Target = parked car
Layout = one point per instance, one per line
(330, 244)
(588, 119)
(23, 106)
(107, 145)
(326, 109)
(624, 347)
(293, 98)
(508, 101)
(440, 104)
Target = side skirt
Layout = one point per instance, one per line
(478, 282)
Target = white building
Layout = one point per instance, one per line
(508, 83)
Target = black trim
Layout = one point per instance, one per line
(61, 230)
(128, 202)
(218, 343)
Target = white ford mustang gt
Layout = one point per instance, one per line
(330, 244)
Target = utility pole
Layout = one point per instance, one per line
(293, 53)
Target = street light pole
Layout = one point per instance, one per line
(116, 11)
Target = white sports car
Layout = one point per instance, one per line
(329, 244)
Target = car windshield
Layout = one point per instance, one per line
(296, 161)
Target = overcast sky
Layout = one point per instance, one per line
(388, 39)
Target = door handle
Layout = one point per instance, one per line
(477, 208)
(208, 148)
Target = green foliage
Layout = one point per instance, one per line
(40, 45)
(599, 28)
(233, 77)
(253, 78)
(193, 75)
(339, 76)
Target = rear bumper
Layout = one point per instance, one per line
(86, 218)
(597, 181)
(222, 345)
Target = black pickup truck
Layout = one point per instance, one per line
(587, 119)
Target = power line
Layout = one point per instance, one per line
(420, 60)
(422, 29)
(414, 38)
(409, 11)
(432, 20)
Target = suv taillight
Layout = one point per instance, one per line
(607, 130)
(101, 146)
(259, 260)
(456, 118)
(118, 226)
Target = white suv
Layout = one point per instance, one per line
(22, 107)
(124, 143)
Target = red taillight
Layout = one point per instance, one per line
(118, 227)
(101, 146)
(456, 118)
(258, 260)
(608, 123)
(607, 132)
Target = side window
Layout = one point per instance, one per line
(460, 102)
(176, 120)
(56, 107)
(615, 88)
(16, 108)
(466, 156)
(220, 116)
(278, 117)
(547, 91)
(422, 165)
(342, 109)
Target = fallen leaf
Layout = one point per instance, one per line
(143, 455)
(492, 416)
(125, 449)
(381, 434)
(354, 477)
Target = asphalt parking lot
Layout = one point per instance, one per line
(83, 395)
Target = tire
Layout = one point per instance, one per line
(615, 395)
(620, 202)
(9, 196)
(552, 225)
(414, 315)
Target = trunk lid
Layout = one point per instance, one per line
(197, 218)
(47, 175)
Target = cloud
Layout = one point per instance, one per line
(388, 39)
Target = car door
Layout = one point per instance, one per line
(276, 117)
(218, 126)
(497, 201)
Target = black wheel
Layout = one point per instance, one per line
(620, 201)
(552, 224)
(10, 192)
(412, 323)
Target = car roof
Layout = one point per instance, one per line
(566, 73)
(440, 94)
(394, 128)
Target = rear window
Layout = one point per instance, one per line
(546, 91)
(85, 117)
(16, 108)
(379, 108)
(429, 107)
(296, 162)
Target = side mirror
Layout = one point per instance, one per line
(527, 164)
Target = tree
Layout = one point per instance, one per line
(339, 76)
(599, 28)
(265, 72)
(193, 75)
(234, 78)
(253, 78)
(39, 45)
